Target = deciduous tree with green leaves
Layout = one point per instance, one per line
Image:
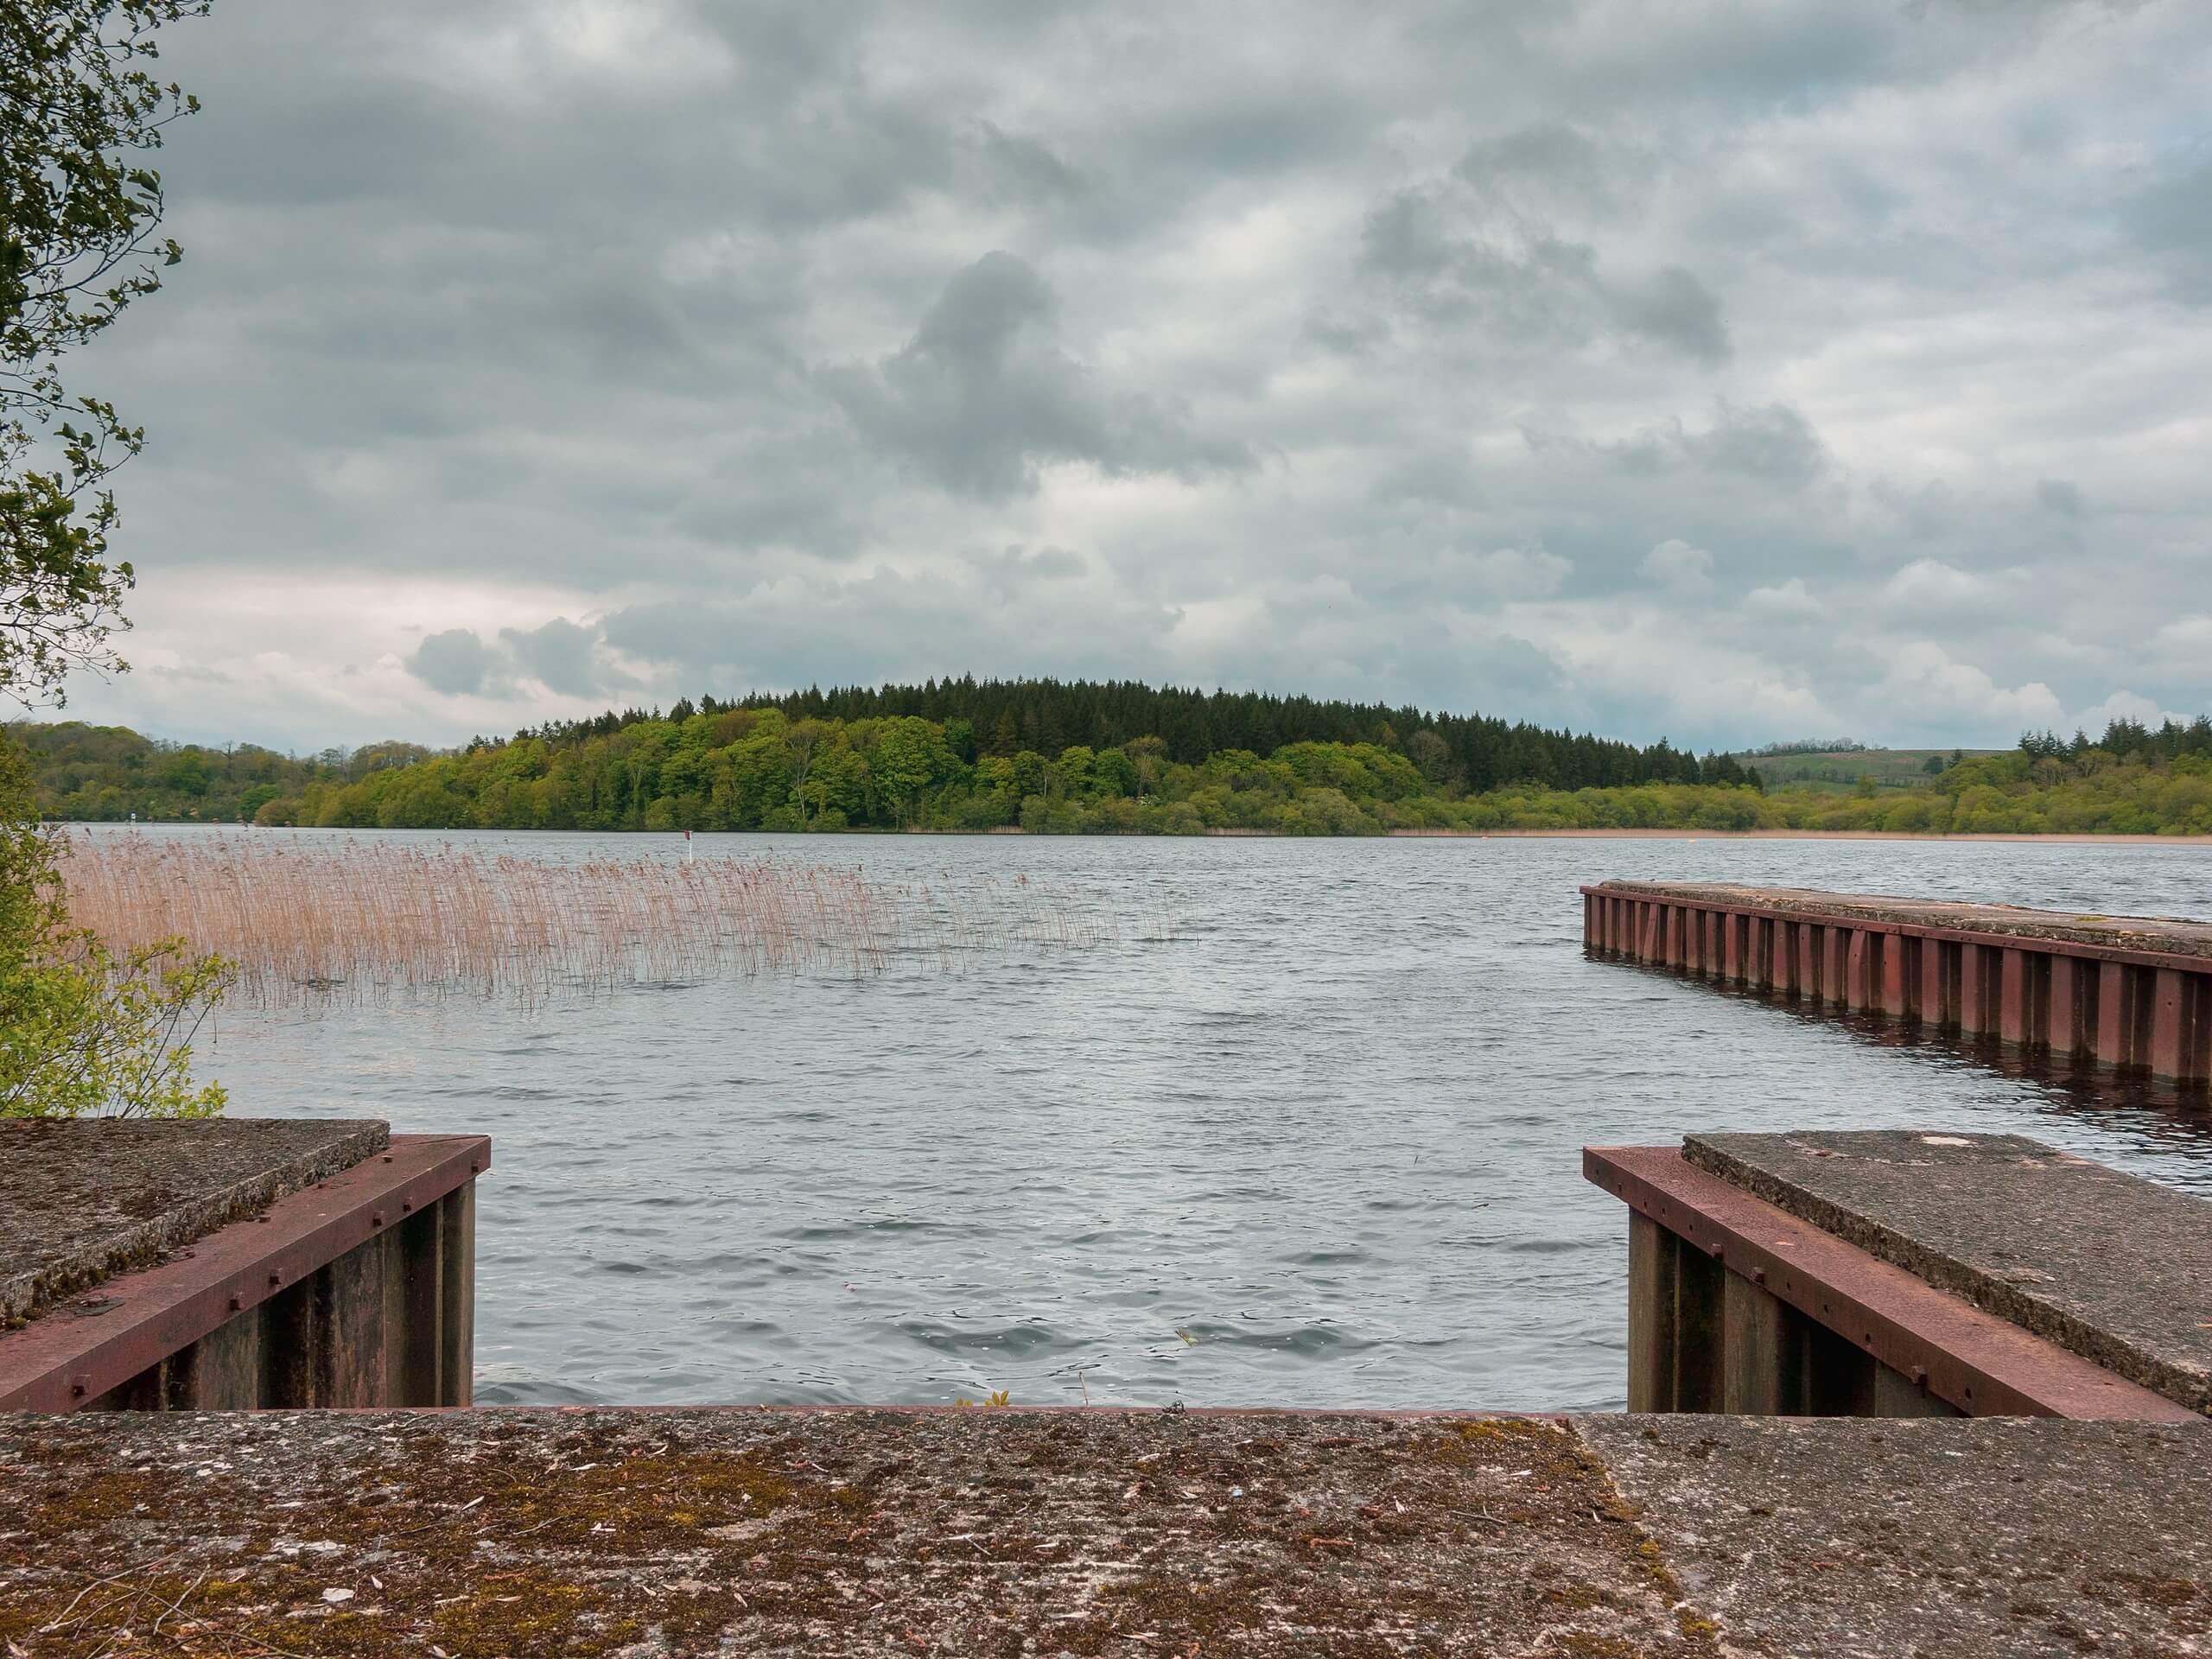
(83, 1027)
(81, 112)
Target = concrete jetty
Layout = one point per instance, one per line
(235, 1263)
(1903, 1272)
(2133, 992)
(982, 1531)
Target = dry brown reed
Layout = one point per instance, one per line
(307, 920)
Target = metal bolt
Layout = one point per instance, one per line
(406, 1206)
(388, 1157)
(375, 1217)
(1920, 1377)
(78, 1386)
(237, 1302)
(1758, 1275)
(276, 1279)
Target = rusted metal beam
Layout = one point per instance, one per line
(2076, 948)
(1982, 1364)
(2123, 1006)
(68, 1358)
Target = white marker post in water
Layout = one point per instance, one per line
(689, 852)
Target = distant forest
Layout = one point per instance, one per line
(1074, 758)
(958, 755)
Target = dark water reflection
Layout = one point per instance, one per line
(1321, 1147)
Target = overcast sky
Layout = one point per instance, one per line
(1731, 371)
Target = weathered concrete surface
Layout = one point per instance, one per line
(2176, 936)
(82, 1199)
(654, 1533)
(1927, 1539)
(2116, 1268)
(968, 1532)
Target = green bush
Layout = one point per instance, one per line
(83, 1029)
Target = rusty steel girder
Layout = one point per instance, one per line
(1984, 1366)
(77, 1353)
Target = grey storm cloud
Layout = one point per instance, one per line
(454, 662)
(1726, 372)
(1450, 256)
(1548, 164)
(2060, 497)
(562, 656)
(2172, 220)
(984, 393)
(1770, 443)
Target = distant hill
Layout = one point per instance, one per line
(1839, 770)
(1090, 759)
(110, 772)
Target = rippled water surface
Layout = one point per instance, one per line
(1319, 1145)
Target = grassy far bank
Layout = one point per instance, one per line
(1841, 771)
(759, 768)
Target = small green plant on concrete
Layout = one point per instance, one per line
(996, 1398)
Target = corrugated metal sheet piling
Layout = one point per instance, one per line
(235, 1264)
(2131, 992)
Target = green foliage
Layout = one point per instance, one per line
(79, 218)
(83, 1029)
(1172, 723)
(87, 1031)
(1841, 770)
(756, 768)
(105, 774)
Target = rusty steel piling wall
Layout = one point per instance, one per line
(390, 1323)
(357, 1291)
(1737, 1305)
(2070, 997)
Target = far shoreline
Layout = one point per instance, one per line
(2054, 838)
(2063, 838)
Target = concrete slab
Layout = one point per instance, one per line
(1926, 1539)
(666, 1532)
(2114, 1268)
(85, 1198)
(975, 1532)
(2173, 935)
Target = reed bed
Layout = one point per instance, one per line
(354, 919)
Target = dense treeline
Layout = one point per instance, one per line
(754, 768)
(1114, 757)
(759, 765)
(110, 773)
(2096, 792)
(1002, 718)
(2125, 740)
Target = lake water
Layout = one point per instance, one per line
(1318, 1146)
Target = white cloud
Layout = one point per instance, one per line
(2187, 640)
(1519, 573)
(1790, 598)
(1931, 582)
(2122, 705)
(1924, 680)
(1677, 564)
